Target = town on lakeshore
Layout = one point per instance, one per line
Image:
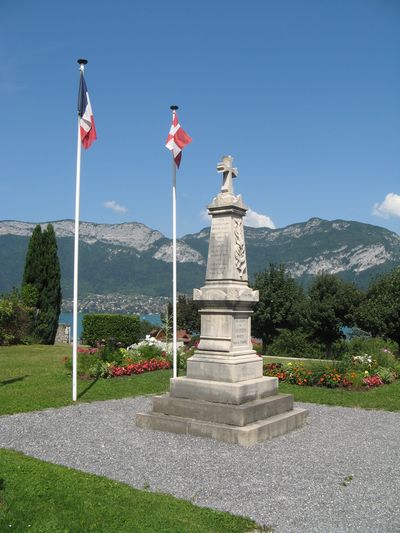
(140, 304)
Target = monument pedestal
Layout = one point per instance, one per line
(224, 394)
(245, 413)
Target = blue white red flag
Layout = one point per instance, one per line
(177, 139)
(86, 122)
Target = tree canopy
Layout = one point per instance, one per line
(281, 303)
(188, 316)
(379, 313)
(331, 306)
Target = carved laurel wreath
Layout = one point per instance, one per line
(240, 255)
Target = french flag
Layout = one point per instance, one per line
(87, 127)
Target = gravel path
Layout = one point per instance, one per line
(293, 483)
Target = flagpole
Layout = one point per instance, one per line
(174, 290)
(82, 63)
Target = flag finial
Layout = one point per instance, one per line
(82, 63)
(174, 107)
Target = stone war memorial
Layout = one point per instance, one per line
(224, 395)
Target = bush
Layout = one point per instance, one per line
(16, 319)
(182, 357)
(149, 351)
(88, 363)
(105, 363)
(386, 374)
(98, 328)
(294, 343)
(381, 351)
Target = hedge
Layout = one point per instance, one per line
(100, 327)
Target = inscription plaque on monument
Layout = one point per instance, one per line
(219, 247)
(241, 331)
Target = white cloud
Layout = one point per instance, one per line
(112, 204)
(253, 219)
(256, 220)
(390, 207)
(205, 216)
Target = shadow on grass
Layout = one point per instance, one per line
(12, 380)
(87, 389)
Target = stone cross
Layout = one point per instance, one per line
(229, 172)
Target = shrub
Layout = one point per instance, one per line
(294, 343)
(149, 351)
(16, 319)
(102, 362)
(148, 348)
(88, 364)
(98, 328)
(386, 375)
(182, 357)
(396, 369)
(380, 351)
(354, 380)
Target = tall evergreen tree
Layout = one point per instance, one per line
(33, 260)
(42, 270)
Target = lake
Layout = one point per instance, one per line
(66, 318)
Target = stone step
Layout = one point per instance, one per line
(221, 392)
(230, 414)
(243, 435)
(227, 368)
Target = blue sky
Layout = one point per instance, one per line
(305, 94)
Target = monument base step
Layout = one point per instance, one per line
(227, 368)
(224, 392)
(228, 414)
(248, 435)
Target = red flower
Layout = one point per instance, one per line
(373, 381)
(139, 368)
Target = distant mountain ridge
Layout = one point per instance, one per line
(130, 234)
(132, 258)
(355, 251)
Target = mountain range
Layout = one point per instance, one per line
(132, 258)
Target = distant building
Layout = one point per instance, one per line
(183, 338)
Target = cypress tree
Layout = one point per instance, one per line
(42, 270)
(33, 260)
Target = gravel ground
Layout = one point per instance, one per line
(295, 483)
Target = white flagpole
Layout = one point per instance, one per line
(82, 63)
(174, 306)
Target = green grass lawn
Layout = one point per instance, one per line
(386, 397)
(34, 377)
(40, 497)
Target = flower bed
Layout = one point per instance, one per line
(138, 368)
(351, 377)
(110, 361)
